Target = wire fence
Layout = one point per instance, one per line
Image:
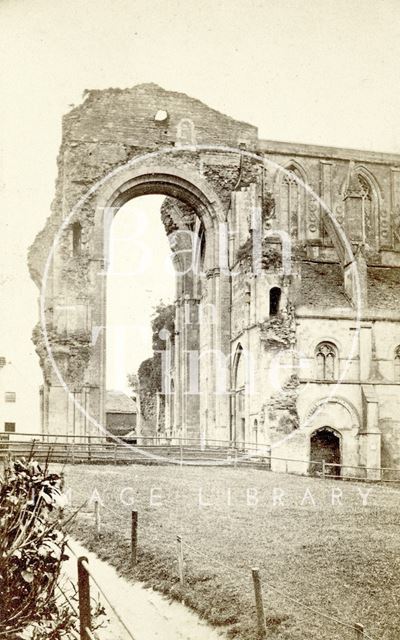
(186, 552)
(83, 612)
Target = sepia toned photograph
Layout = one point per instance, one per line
(200, 325)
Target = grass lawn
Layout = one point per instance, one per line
(342, 559)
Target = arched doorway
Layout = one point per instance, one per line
(325, 446)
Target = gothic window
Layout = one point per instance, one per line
(397, 364)
(274, 301)
(362, 208)
(368, 230)
(326, 358)
(292, 202)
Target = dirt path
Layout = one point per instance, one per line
(148, 614)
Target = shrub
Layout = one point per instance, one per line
(32, 549)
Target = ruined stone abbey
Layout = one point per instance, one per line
(287, 326)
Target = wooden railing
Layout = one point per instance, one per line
(67, 449)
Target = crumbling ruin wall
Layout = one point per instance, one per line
(119, 144)
(100, 137)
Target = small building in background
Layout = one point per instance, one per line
(122, 416)
(12, 417)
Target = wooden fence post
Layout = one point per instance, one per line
(85, 618)
(359, 631)
(134, 536)
(261, 623)
(97, 518)
(323, 469)
(236, 457)
(180, 560)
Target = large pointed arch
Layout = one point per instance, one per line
(184, 184)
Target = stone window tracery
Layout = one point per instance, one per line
(292, 202)
(362, 208)
(326, 360)
(368, 230)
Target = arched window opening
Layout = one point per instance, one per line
(274, 301)
(239, 416)
(202, 246)
(362, 197)
(397, 364)
(326, 358)
(292, 202)
(239, 370)
(76, 238)
(368, 225)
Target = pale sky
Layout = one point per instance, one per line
(314, 71)
(140, 274)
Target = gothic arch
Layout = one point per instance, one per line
(185, 185)
(326, 338)
(238, 361)
(369, 176)
(371, 202)
(326, 361)
(133, 180)
(292, 198)
(292, 165)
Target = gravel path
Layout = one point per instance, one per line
(147, 614)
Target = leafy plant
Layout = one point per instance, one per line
(32, 550)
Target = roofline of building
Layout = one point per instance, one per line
(327, 153)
